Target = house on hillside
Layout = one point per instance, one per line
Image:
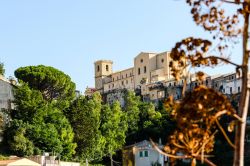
(142, 154)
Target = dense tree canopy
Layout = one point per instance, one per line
(132, 110)
(52, 83)
(38, 124)
(84, 116)
(113, 128)
(145, 121)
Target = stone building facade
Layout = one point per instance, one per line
(149, 68)
(6, 93)
(151, 78)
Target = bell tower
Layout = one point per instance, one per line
(103, 68)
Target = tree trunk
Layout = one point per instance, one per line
(244, 99)
(111, 160)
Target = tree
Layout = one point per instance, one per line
(203, 118)
(52, 83)
(132, 111)
(113, 128)
(84, 116)
(37, 119)
(2, 70)
(149, 122)
(155, 123)
(144, 120)
(19, 143)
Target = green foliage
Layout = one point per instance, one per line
(52, 83)
(38, 124)
(84, 116)
(99, 129)
(3, 157)
(154, 123)
(148, 121)
(113, 127)
(2, 70)
(19, 143)
(28, 103)
(132, 111)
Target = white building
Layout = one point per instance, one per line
(142, 154)
(227, 83)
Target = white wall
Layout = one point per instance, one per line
(153, 156)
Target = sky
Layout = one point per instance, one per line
(71, 35)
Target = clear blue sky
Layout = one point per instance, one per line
(71, 34)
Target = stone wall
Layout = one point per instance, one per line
(6, 94)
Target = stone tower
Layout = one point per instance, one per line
(103, 68)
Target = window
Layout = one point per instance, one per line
(107, 67)
(113, 85)
(231, 90)
(145, 69)
(141, 153)
(139, 71)
(162, 60)
(98, 68)
(141, 60)
(145, 153)
(122, 83)
(238, 89)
